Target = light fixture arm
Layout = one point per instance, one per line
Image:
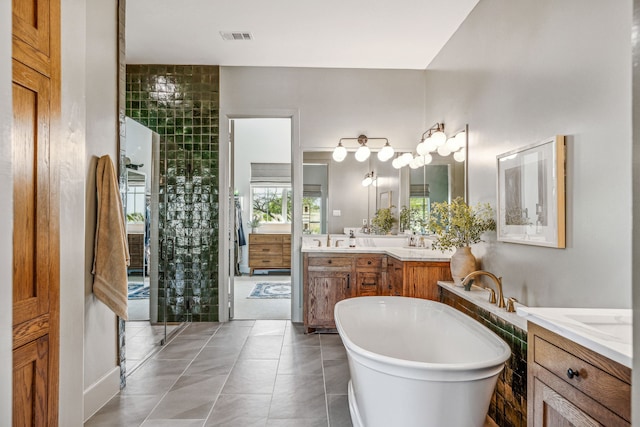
(438, 127)
(363, 139)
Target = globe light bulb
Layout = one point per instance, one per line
(422, 148)
(439, 138)
(428, 158)
(406, 158)
(444, 151)
(459, 156)
(362, 153)
(452, 144)
(367, 180)
(461, 139)
(413, 164)
(386, 153)
(397, 163)
(430, 145)
(339, 153)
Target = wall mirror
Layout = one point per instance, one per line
(335, 199)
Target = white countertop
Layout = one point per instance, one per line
(603, 330)
(480, 297)
(400, 253)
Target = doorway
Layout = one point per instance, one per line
(261, 180)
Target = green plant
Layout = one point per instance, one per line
(405, 218)
(457, 224)
(383, 220)
(255, 221)
(135, 217)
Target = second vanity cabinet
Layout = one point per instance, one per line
(332, 277)
(569, 384)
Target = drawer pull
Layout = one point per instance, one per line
(369, 284)
(369, 262)
(571, 373)
(329, 262)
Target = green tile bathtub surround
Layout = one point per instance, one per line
(508, 406)
(181, 103)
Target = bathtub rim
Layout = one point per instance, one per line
(408, 368)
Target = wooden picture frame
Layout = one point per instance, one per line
(531, 194)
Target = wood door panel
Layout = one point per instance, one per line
(324, 291)
(31, 33)
(30, 378)
(31, 186)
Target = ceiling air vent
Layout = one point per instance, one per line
(236, 35)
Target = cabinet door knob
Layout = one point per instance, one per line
(369, 262)
(571, 373)
(329, 262)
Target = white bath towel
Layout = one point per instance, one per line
(111, 252)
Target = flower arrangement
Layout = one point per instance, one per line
(383, 220)
(457, 224)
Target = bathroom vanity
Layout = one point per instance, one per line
(579, 366)
(334, 274)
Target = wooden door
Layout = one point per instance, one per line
(421, 278)
(36, 107)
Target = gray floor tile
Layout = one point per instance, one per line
(297, 422)
(180, 348)
(294, 335)
(333, 352)
(336, 376)
(240, 410)
(124, 411)
(214, 361)
(268, 327)
(298, 396)
(197, 330)
(192, 397)
(252, 377)
(300, 360)
(173, 423)
(155, 377)
(230, 337)
(262, 347)
(339, 415)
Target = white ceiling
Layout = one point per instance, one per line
(403, 34)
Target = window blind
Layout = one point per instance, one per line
(272, 173)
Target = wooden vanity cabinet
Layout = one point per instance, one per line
(327, 280)
(332, 277)
(599, 395)
(418, 279)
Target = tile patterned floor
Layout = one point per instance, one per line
(243, 373)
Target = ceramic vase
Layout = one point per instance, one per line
(462, 263)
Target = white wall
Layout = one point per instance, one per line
(101, 372)
(519, 72)
(6, 217)
(258, 140)
(326, 105)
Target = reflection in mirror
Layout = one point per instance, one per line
(341, 202)
(336, 200)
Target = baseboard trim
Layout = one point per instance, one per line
(99, 393)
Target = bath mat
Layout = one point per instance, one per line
(271, 290)
(138, 291)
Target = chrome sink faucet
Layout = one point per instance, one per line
(497, 280)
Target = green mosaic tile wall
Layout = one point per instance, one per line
(181, 103)
(509, 402)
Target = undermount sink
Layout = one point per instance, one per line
(607, 331)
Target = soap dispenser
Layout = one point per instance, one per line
(352, 239)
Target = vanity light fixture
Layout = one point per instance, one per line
(363, 152)
(368, 179)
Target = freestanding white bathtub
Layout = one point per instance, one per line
(415, 362)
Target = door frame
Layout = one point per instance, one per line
(225, 203)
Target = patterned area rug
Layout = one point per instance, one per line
(271, 290)
(137, 291)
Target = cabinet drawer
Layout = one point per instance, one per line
(369, 261)
(612, 392)
(265, 238)
(270, 250)
(265, 261)
(286, 239)
(368, 283)
(329, 262)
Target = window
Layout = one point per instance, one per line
(271, 192)
(271, 203)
